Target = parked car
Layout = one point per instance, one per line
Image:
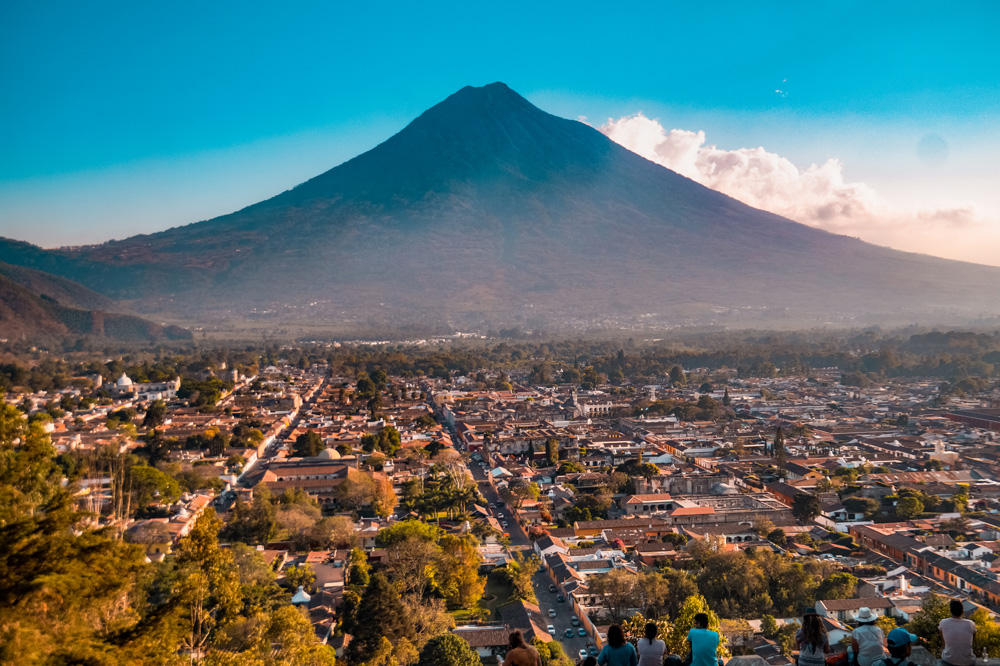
(594, 651)
(560, 598)
(552, 587)
(583, 653)
(552, 612)
(569, 633)
(575, 621)
(581, 631)
(552, 630)
(504, 524)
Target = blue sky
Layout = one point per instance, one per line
(131, 117)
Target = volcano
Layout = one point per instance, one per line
(486, 209)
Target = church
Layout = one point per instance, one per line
(125, 388)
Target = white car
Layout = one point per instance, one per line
(552, 630)
(583, 653)
(552, 612)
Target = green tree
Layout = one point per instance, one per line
(840, 585)
(457, 577)
(254, 523)
(805, 507)
(519, 571)
(676, 640)
(552, 451)
(434, 447)
(308, 445)
(907, 507)
(150, 485)
(778, 448)
(300, 575)
(359, 572)
(777, 536)
(379, 614)
(768, 626)
(448, 650)
(925, 622)
(156, 414)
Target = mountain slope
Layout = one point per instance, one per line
(40, 317)
(486, 208)
(65, 292)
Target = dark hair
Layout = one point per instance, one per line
(898, 651)
(516, 640)
(616, 637)
(701, 620)
(651, 631)
(673, 660)
(813, 631)
(956, 608)
(589, 661)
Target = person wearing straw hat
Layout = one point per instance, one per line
(867, 640)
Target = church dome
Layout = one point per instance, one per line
(329, 454)
(124, 380)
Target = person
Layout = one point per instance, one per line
(704, 642)
(899, 641)
(812, 640)
(520, 653)
(617, 651)
(958, 634)
(651, 648)
(867, 640)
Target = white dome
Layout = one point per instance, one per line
(124, 380)
(329, 454)
(300, 597)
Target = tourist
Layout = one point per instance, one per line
(651, 648)
(618, 651)
(704, 642)
(520, 653)
(812, 640)
(899, 641)
(957, 633)
(867, 640)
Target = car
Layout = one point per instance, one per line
(575, 621)
(552, 612)
(581, 631)
(560, 598)
(594, 651)
(552, 630)
(583, 653)
(552, 587)
(500, 515)
(569, 633)
(504, 524)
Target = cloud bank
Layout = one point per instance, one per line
(818, 195)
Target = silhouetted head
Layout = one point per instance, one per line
(651, 631)
(956, 608)
(616, 637)
(516, 640)
(701, 621)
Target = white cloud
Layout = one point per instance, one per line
(818, 195)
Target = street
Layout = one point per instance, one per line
(520, 542)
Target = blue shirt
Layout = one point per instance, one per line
(704, 644)
(619, 656)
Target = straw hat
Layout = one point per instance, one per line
(865, 614)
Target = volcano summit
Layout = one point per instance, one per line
(487, 210)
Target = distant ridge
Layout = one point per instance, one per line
(45, 308)
(486, 209)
